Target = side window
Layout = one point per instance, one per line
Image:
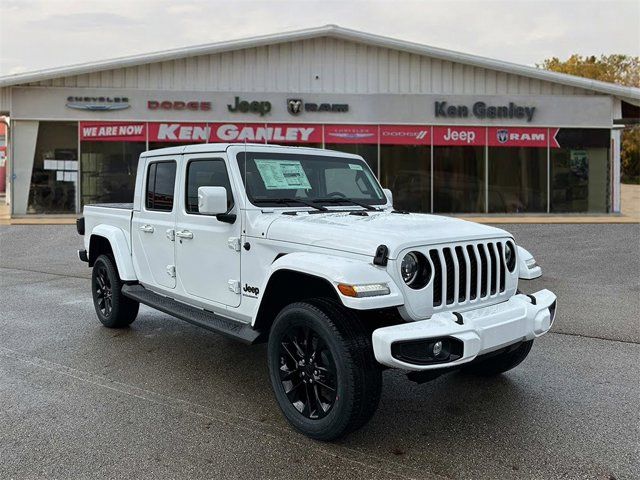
(161, 181)
(151, 180)
(206, 173)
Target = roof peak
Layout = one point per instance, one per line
(332, 30)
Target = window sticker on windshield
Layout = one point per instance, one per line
(282, 174)
(354, 166)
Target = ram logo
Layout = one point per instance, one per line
(503, 136)
(294, 106)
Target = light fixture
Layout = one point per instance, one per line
(364, 290)
(437, 348)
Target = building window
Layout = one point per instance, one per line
(161, 180)
(109, 171)
(368, 151)
(458, 179)
(54, 177)
(517, 179)
(158, 145)
(580, 169)
(406, 171)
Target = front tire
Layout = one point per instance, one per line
(114, 310)
(322, 369)
(500, 363)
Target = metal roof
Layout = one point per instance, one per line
(333, 31)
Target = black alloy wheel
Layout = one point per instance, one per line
(322, 368)
(113, 309)
(104, 292)
(308, 372)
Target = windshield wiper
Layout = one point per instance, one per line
(290, 200)
(336, 200)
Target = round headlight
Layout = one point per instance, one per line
(409, 267)
(415, 270)
(510, 256)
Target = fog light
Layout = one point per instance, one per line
(428, 351)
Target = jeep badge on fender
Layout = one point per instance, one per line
(254, 291)
(336, 282)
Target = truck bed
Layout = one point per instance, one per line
(113, 215)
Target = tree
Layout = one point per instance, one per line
(630, 155)
(620, 69)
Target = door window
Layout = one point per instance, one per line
(205, 173)
(161, 179)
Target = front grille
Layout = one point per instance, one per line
(467, 273)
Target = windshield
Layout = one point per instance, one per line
(283, 178)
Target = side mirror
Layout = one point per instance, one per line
(389, 194)
(212, 200)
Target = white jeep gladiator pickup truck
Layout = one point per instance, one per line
(302, 248)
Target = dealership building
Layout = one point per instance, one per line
(447, 132)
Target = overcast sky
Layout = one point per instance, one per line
(37, 34)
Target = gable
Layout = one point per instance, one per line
(322, 64)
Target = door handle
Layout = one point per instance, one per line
(147, 228)
(184, 234)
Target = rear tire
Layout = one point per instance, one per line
(500, 363)
(322, 369)
(114, 310)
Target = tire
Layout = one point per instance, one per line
(342, 377)
(500, 363)
(114, 310)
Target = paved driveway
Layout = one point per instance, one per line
(164, 399)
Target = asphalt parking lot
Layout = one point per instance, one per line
(164, 399)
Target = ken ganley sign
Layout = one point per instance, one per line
(482, 110)
(234, 132)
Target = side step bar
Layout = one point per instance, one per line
(201, 318)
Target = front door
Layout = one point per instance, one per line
(207, 249)
(152, 227)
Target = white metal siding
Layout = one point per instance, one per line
(341, 67)
(5, 99)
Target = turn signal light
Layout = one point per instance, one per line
(367, 290)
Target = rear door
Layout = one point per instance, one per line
(153, 226)
(207, 249)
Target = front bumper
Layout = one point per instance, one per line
(480, 331)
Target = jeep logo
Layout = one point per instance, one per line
(468, 136)
(252, 290)
(254, 106)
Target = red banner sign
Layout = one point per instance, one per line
(522, 137)
(405, 135)
(288, 133)
(351, 134)
(113, 131)
(235, 132)
(459, 136)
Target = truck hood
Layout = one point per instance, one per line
(362, 234)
